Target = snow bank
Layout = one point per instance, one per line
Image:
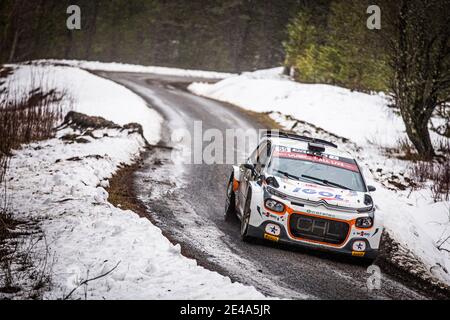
(122, 67)
(90, 95)
(62, 185)
(357, 116)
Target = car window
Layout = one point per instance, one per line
(259, 156)
(253, 157)
(302, 165)
(263, 154)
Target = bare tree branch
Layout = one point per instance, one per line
(90, 280)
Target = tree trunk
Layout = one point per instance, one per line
(68, 49)
(92, 31)
(417, 131)
(416, 103)
(37, 29)
(12, 52)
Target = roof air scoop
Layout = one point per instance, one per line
(316, 147)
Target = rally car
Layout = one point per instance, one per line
(304, 191)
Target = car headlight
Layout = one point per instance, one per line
(274, 205)
(368, 201)
(366, 222)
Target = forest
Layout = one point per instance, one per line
(319, 41)
(232, 35)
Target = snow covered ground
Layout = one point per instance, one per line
(122, 67)
(61, 186)
(88, 236)
(88, 94)
(411, 217)
(329, 107)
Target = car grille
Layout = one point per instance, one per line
(318, 229)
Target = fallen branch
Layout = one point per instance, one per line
(439, 247)
(85, 282)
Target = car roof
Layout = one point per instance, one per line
(293, 143)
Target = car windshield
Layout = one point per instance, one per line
(320, 169)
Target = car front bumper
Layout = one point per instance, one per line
(284, 238)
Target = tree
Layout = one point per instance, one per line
(408, 57)
(420, 59)
(300, 47)
(233, 36)
(331, 44)
(360, 52)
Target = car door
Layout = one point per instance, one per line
(257, 159)
(245, 177)
(263, 157)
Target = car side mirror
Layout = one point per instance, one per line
(260, 179)
(271, 181)
(371, 188)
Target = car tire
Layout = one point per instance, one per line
(230, 202)
(246, 218)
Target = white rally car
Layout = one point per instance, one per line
(304, 191)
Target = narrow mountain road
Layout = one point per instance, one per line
(187, 203)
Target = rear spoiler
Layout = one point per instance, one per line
(282, 134)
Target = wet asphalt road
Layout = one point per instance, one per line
(187, 201)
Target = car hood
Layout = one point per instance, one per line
(318, 193)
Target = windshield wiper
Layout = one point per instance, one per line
(287, 174)
(326, 182)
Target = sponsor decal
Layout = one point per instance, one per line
(258, 208)
(326, 159)
(310, 185)
(358, 254)
(323, 214)
(273, 216)
(359, 246)
(271, 237)
(336, 197)
(273, 229)
(327, 196)
(376, 231)
(361, 233)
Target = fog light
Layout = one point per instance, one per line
(359, 246)
(273, 229)
(274, 205)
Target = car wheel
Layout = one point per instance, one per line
(230, 203)
(245, 219)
